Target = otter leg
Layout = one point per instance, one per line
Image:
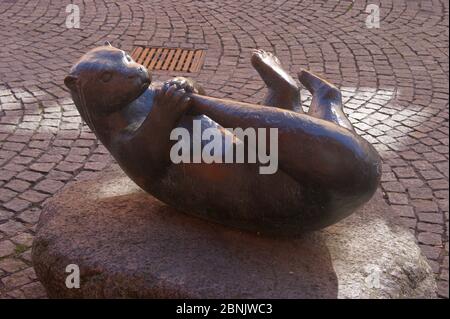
(283, 90)
(326, 101)
(309, 149)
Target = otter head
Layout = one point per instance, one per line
(105, 80)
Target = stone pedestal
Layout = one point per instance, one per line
(128, 244)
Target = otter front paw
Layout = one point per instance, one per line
(186, 84)
(172, 100)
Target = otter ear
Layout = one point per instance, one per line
(108, 44)
(71, 82)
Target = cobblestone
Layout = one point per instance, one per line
(394, 82)
(6, 248)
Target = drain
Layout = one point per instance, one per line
(169, 59)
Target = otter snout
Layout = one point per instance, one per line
(145, 75)
(142, 75)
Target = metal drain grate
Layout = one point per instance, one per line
(169, 59)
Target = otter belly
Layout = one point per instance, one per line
(237, 194)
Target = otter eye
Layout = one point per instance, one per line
(129, 59)
(106, 76)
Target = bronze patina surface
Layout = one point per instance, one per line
(325, 169)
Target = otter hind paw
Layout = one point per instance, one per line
(271, 71)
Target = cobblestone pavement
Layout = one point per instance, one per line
(394, 81)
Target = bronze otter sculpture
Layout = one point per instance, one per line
(325, 172)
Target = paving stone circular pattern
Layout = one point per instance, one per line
(394, 81)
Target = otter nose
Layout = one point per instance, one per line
(144, 74)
